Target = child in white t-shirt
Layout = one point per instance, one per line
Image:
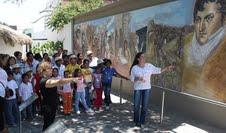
(26, 91)
(11, 107)
(67, 95)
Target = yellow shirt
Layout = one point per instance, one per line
(71, 68)
(87, 73)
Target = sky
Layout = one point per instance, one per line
(23, 15)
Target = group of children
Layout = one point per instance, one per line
(19, 89)
(24, 80)
(89, 88)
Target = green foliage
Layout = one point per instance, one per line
(49, 47)
(63, 14)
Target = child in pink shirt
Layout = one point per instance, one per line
(80, 92)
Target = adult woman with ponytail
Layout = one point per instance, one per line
(140, 75)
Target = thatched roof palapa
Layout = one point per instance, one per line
(12, 37)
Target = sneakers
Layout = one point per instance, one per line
(89, 111)
(107, 107)
(78, 112)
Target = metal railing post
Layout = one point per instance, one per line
(120, 91)
(162, 108)
(20, 122)
(23, 106)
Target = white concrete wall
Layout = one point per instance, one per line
(63, 35)
(8, 49)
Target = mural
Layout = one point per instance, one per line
(187, 34)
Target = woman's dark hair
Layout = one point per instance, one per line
(65, 56)
(29, 54)
(78, 55)
(45, 54)
(2, 58)
(108, 61)
(7, 68)
(135, 61)
(17, 53)
(11, 57)
(38, 57)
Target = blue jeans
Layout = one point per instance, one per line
(11, 111)
(107, 93)
(87, 95)
(141, 98)
(80, 96)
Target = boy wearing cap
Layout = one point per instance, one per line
(16, 74)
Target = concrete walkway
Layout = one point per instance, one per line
(119, 119)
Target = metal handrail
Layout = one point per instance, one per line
(26, 103)
(193, 96)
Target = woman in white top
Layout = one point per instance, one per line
(140, 75)
(3, 83)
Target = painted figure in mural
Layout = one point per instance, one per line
(78, 41)
(203, 64)
(127, 51)
(84, 43)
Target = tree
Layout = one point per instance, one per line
(64, 13)
(49, 47)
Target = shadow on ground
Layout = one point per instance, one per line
(119, 119)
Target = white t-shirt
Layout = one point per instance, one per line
(61, 70)
(3, 84)
(18, 78)
(67, 87)
(144, 72)
(13, 86)
(33, 67)
(25, 90)
(93, 63)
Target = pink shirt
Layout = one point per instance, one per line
(80, 85)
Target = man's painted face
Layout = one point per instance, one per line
(207, 22)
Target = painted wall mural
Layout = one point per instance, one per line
(189, 34)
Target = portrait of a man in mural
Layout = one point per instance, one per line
(203, 64)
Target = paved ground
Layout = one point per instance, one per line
(119, 119)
